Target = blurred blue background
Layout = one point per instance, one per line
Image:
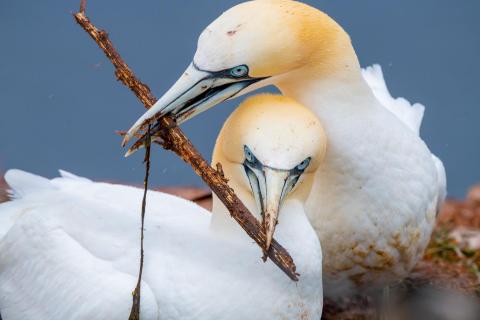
(60, 104)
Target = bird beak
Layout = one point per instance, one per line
(275, 182)
(196, 91)
(269, 187)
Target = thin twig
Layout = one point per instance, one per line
(135, 311)
(83, 4)
(174, 139)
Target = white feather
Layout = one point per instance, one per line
(22, 183)
(410, 115)
(71, 251)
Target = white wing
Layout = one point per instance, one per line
(70, 247)
(73, 252)
(411, 115)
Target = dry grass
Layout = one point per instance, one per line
(456, 240)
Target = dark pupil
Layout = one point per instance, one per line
(239, 71)
(304, 164)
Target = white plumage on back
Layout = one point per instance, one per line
(379, 189)
(70, 250)
(22, 183)
(410, 115)
(70, 246)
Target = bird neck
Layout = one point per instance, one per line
(330, 80)
(294, 230)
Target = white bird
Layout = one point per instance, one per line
(69, 246)
(375, 198)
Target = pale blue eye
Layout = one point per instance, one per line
(240, 71)
(302, 166)
(248, 154)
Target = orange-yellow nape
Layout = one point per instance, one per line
(273, 37)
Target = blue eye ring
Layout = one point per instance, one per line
(248, 154)
(239, 71)
(304, 164)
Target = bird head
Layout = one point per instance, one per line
(252, 45)
(269, 149)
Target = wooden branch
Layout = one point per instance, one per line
(174, 139)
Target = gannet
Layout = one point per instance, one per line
(374, 199)
(69, 246)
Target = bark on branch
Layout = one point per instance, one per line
(175, 140)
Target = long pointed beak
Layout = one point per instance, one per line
(275, 181)
(176, 95)
(270, 186)
(194, 92)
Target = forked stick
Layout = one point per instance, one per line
(172, 138)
